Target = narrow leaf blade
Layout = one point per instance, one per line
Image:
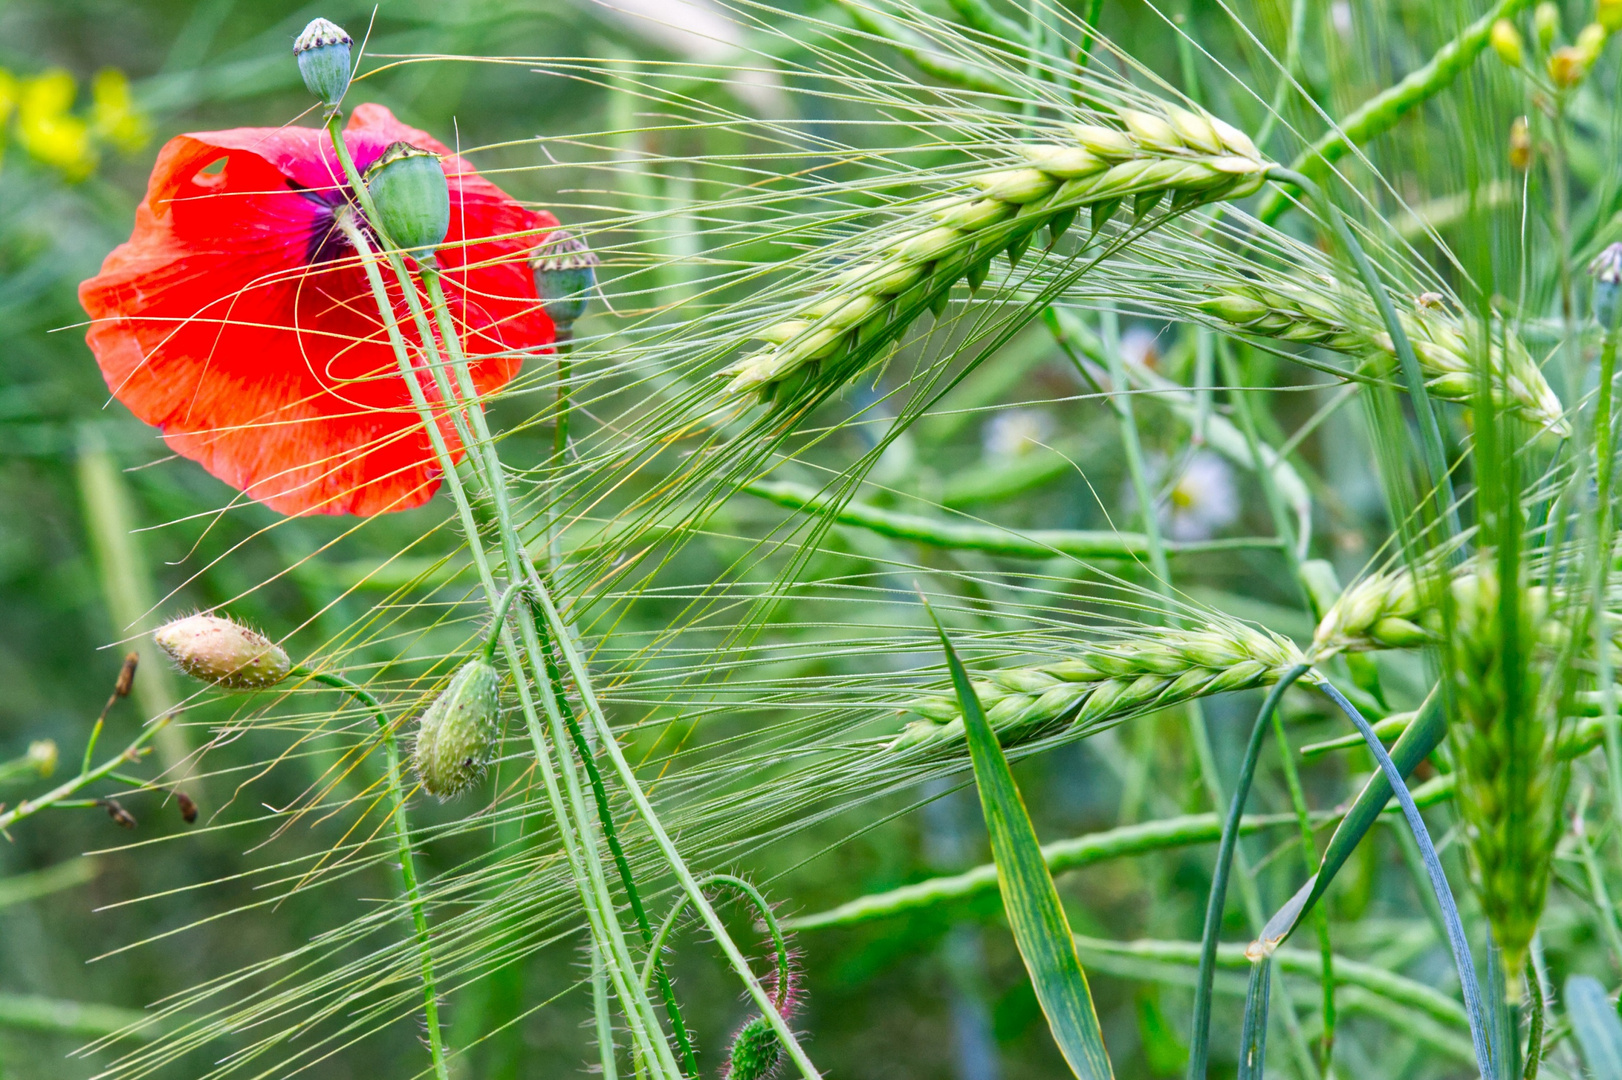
(1595, 1023)
(1032, 903)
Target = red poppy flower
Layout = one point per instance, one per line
(237, 318)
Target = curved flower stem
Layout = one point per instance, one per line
(561, 635)
(1433, 866)
(1200, 1035)
(573, 827)
(767, 916)
(408, 868)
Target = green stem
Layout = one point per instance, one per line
(768, 918)
(408, 867)
(517, 557)
(1605, 455)
(1309, 859)
(563, 347)
(1381, 112)
(1200, 1034)
(560, 634)
(596, 899)
(27, 808)
(498, 618)
(990, 539)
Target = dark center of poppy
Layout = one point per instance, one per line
(326, 242)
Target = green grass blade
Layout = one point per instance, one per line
(1253, 1043)
(1199, 1039)
(1034, 913)
(1594, 1022)
(1422, 736)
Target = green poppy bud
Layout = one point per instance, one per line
(458, 731)
(322, 52)
(222, 652)
(413, 199)
(565, 272)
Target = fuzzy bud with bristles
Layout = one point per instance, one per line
(755, 1053)
(458, 732)
(1607, 273)
(322, 51)
(222, 652)
(412, 196)
(565, 272)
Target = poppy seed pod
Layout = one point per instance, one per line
(222, 652)
(565, 272)
(1607, 272)
(458, 731)
(322, 52)
(412, 197)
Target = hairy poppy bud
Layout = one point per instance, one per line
(1607, 271)
(1506, 42)
(222, 652)
(458, 731)
(413, 200)
(755, 1053)
(322, 52)
(565, 274)
(42, 757)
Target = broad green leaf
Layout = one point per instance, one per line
(1032, 903)
(1594, 1022)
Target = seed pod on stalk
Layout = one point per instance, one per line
(413, 200)
(322, 52)
(458, 731)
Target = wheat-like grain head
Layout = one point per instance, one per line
(1106, 683)
(1188, 157)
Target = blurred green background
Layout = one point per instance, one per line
(99, 527)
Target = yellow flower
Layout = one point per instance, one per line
(48, 131)
(113, 116)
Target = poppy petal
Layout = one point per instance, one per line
(238, 322)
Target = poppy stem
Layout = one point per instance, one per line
(517, 557)
(402, 833)
(562, 635)
(573, 825)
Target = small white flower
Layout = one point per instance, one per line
(1202, 501)
(1340, 13)
(1014, 432)
(1140, 347)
